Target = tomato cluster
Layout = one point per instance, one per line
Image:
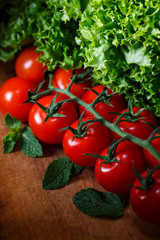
(88, 142)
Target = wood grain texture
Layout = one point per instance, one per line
(29, 212)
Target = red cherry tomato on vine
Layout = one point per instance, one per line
(13, 93)
(137, 128)
(62, 79)
(146, 204)
(49, 132)
(115, 176)
(151, 161)
(95, 140)
(28, 66)
(116, 103)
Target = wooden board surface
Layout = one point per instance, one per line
(27, 212)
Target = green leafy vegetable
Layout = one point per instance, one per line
(29, 144)
(10, 141)
(12, 123)
(95, 203)
(59, 172)
(24, 136)
(120, 41)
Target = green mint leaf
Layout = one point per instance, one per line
(29, 144)
(95, 203)
(59, 172)
(76, 169)
(9, 141)
(11, 122)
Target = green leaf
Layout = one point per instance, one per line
(11, 122)
(29, 144)
(95, 203)
(59, 172)
(9, 141)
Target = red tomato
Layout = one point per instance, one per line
(146, 204)
(115, 176)
(137, 128)
(49, 132)
(62, 79)
(27, 65)
(13, 93)
(96, 139)
(151, 161)
(117, 103)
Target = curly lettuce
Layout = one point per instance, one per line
(120, 40)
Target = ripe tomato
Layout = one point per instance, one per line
(137, 128)
(62, 79)
(95, 140)
(151, 161)
(146, 204)
(27, 65)
(115, 176)
(49, 132)
(117, 103)
(13, 93)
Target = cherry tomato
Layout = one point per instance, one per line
(137, 128)
(49, 132)
(151, 161)
(62, 79)
(94, 141)
(13, 93)
(116, 103)
(27, 65)
(115, 176)
(146, 204)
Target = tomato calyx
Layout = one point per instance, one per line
(104, 96)
(52, 110)
(82, 127)
(147, 182)
(129, 115)
(79, 78)
(110, 157)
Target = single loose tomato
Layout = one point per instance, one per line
(140, 127)
(116, 103)
(49, 132)
(62, 79)
(116, 175)
(13, 93)
(93, 142)
(28, 66)
(146, 203)
(151, 161)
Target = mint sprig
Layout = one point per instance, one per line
(59, 172)
(95, 203)
(29, 144)
(23, 136)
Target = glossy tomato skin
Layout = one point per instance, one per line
(146, 204)
(115, 176)
(151, 161)
(117, 103)
(13, 93)
(138, 128)
(27, 65)
(49, 132)
(96, 139)
(62, 80)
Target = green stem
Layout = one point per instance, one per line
(112, 126)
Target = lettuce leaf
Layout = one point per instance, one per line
(120, 40)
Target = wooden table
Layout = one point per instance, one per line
(27, 212)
